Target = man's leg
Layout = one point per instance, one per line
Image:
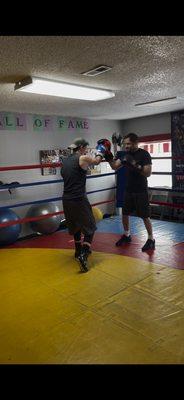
(143, 211)
(87, 241)
(85, 251)
(88, 227)
(148, 226)
(77, 240)
(128, 207)
(126, 224)
(150, 243)
(125, 238)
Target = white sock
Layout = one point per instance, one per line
(127, 233)
(150, 237)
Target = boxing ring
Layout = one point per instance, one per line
(129, 308)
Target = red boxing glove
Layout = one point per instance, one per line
(106, 143)
(107, 146)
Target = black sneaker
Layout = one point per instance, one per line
(123, 239)
(82, 258)
(149, 245)
(78, 252)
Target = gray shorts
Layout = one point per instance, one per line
(79, 216)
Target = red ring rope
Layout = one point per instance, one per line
(24, 220)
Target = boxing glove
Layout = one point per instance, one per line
(105, 142)
(116, 139)
(108, 156)
(128, 161)
(100, 150)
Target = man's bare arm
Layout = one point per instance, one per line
(115, 164)
(87, 160)
(146, 170)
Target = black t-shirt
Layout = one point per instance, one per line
(134, 181)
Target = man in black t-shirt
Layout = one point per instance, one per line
(138, 167)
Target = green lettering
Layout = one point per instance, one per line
(38, 123)
(61, 123)
(6, 120)
(79, 124)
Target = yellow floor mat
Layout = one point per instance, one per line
(123, 311)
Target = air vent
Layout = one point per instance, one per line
(97, 71)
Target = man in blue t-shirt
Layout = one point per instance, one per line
(138, 166)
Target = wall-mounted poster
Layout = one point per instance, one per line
(177, 138)
(51, 156)
(54, 156)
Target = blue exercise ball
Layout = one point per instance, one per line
(47, 225)
(9, 234)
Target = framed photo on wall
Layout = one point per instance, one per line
(51, 156)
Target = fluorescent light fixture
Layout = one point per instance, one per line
(158, 103)
(61, 89)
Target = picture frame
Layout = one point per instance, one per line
(51, 156)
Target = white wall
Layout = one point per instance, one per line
(144, 126)
(22, 148)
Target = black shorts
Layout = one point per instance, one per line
(79, 216)
(138, 202)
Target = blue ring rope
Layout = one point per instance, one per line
(18, 185)
(48, 200)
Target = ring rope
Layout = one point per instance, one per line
(26, 219)
(18, 185)
(49, 200)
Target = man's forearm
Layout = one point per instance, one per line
(97, 160)
(114, 165)
(146, 174)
